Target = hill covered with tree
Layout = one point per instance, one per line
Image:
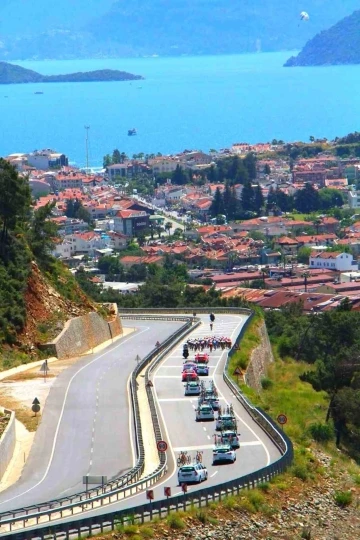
(139, 27)
(340, 44)
(13, 74)
(37, 292)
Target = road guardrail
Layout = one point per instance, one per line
(80, 526)
(126, 484)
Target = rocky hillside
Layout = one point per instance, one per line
(340, 44)
(47, 309)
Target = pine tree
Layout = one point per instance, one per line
(250, 165)
(247, 197)
(258, 199)
(217, 205)
(116, 156)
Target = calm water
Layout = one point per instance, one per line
(187, 102)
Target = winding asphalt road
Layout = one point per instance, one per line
(177, 415)
(86, 423)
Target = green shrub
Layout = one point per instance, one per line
(306, 533)
(266, 383)
(321, 432)
(264, 486)
(147, 532)
(256, 499)
(131, 530)
(343, 498)
(300, 471)
(202, 516)
(174, 521)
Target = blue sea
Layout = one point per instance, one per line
(198, 102)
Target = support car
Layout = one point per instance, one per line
(196, 472)
(192, 388)
(189, 375)
(204, 412)
(223, 453)
(231, 438)
(202, 369)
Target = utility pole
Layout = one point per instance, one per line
(87, 148)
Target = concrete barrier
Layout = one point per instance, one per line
(82, 334)
(7, 442)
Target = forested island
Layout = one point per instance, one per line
(13, 74)
(338, 45)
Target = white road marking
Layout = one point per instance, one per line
(209, 437)
(211, 446)
(168, 377)
(175, 400)
(204, 428)
(62, 414)
(213, 474)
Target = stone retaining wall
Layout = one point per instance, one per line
(7, 442)
(82, 334)
(261, 357)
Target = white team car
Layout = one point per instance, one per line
(196, 472)
(192, 388)
(204, 412)
(223, 453)
(225, 421)
(231, 438)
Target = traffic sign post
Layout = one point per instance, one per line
(238, 372)
(35, 406)
(167, 494)
(282, 419)
(162, 446)
(45, 368)
(137, 359)
(150, 497)
(184, 488)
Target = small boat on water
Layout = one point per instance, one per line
(132, 132)
(38, 92)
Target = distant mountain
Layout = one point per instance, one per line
(90, 28)
(338, 45)
(13, 74)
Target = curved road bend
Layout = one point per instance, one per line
(85, 427)
(180, 430)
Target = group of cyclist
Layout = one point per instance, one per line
(209, 342)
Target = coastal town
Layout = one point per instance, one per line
(269, 257)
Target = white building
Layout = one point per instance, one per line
(354, 198)
(327, 260)
(86, 242)
(47, 159)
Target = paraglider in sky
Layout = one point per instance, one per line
(304, 16)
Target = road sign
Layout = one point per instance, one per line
(167, 491)
(184, 487)
(149, 384)
(88, 479)
(282, 419)
(162, 446)
(238, 371)
(44, 367)
(36, 401)
(35, 408)
(150, 494)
